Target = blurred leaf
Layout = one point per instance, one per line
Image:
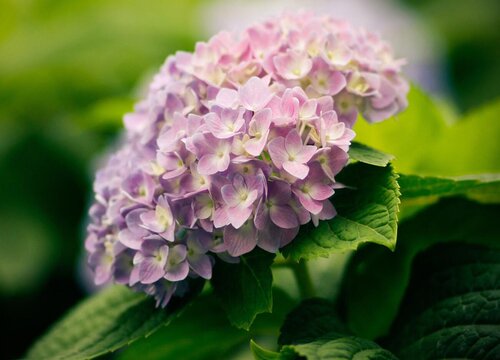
(413, 186)
(433, 147)
(310, 320)
(244, 289)
(451, 306)
(366, 213)
(368, 155)
(107, 321)
(65, 56)
(376, 279)
(471, 145)
(408, 135)
(259, 353)
(27, 251)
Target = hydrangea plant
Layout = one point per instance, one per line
(242, 155)
(235, 147)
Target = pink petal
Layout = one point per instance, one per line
(293, 142)
(293, 65)
(230, 195)
(277, 151)
(296, 169)
(211, 163)
(306, 153)
(255, 146)
(238, 215)
(129, 239)
(227, 98)
(221, 217)
(255, 94)
(309, 203)
(320, 191)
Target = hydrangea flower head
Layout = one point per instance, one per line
(234, 147)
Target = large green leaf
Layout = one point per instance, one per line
(376, 279)
(245, 289)
(339, 347)
(368, 155)
(197, 334)
(451, 308)
(313, 330)
(331, 346)
(312, 319)
(367, 212)
(103, 323)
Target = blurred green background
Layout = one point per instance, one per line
(69, 70)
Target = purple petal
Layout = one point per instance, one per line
(279, 192)
(177, 272)
(283, 216)
(150, 271)
(201, 264)
(240, 241)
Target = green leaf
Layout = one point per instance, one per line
(197, 334)
(259, 353)
(376, 279)
(115, 317)
(368, 155)
(312, 319)
(314, 331)
(336, 346)
(451, 306)
(245, 289)
(367, 212)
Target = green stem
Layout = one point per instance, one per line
(304, 282)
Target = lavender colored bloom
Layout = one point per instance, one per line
(235, 146)
(291, 154)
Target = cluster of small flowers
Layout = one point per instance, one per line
(236, 146)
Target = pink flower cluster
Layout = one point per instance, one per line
(236, 146)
